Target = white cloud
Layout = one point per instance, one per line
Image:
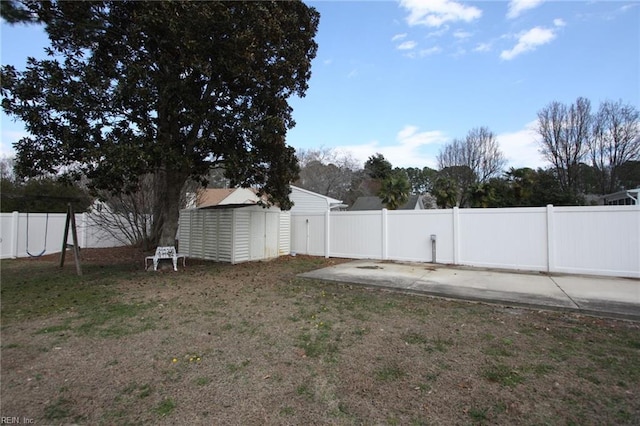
(399, 37)
(430, 51)
(521, 147)
(461, 35)
(423, 52)
(412, 148)
(482, 47)
(435, 13)
(558, 22)
(516, 7)
(439, 33)
(415, 148)
(528, 41)
(407, 45)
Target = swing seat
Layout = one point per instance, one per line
(168, 253)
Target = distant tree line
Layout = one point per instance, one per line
(590, 153)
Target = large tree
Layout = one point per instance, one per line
(395, 190)
(479, 151)
(326, 171)
(465, 162)
(167, 88)
(565, 133)
(615, 141)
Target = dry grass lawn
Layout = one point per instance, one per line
(252, 344)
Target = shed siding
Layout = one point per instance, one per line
(234, 235)
(284, 234)
(242, 231)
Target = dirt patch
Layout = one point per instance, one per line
(254, 344)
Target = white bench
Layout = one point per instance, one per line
(164, 253)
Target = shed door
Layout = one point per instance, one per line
(257, 231)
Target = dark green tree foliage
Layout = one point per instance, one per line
(421, 180)
(45, 195)
(629, 174)
(168, 88)
(395, 189)
(452, 186)
(378, 167)
(14, 12)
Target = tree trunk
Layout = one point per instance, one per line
(166, 206)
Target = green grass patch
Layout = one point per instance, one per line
(502, 374)
(58, 410)
(46, 289)
(165, 407)
(415, 338)
(305, 390)
(287, 411)
(496, 350)
(479, 415)
(438, 344)
(116, 320)
(55, 328)
(389, 373)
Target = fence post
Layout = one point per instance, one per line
(550, 240)
(384, 253)
(14, 234)
(327, 233)
(456, 236)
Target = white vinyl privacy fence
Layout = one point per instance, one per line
(603, 240)
(36, 233)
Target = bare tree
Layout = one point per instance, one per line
(616, 140)
(565, 132)
(126, 217)
(475, 159)
(6, 168)
(479, 151)
(326, 171)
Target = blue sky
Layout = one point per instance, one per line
(405, 77)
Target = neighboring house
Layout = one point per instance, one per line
(623, 198)
(308, 201)
(375, 203)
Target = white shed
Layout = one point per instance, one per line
(308, 201)
(234, 234)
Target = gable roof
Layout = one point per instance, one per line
(213, 197)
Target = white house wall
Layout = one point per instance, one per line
(305, 202)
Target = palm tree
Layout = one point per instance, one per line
(394, 191)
